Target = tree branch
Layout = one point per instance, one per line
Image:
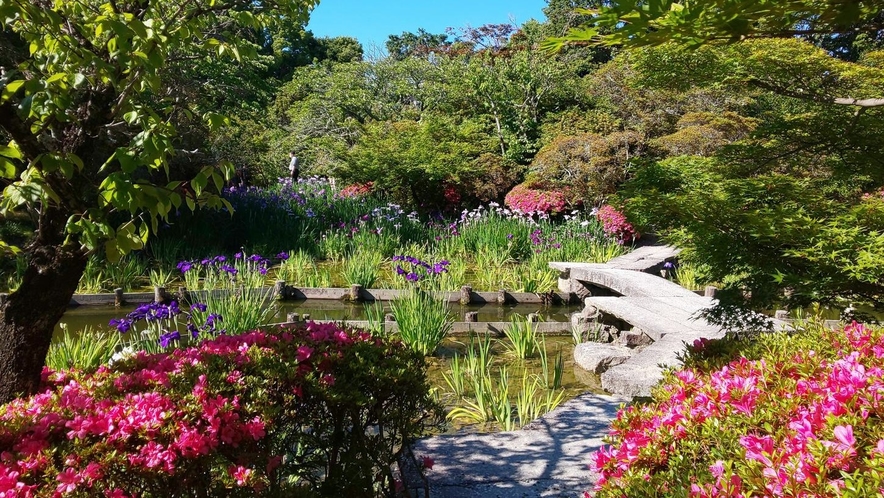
(860, 102)
(873, 102)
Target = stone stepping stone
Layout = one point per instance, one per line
(645, 258)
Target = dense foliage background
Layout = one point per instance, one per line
(743, 154)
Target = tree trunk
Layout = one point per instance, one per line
(28, 318)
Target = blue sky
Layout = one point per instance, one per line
(371, 21)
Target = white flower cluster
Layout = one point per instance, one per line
(495, 209)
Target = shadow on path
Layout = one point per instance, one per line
(547, 458)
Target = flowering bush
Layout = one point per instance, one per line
(798, 415)
(356, 190)
(615, 225)
(317, 408)
(529, 200)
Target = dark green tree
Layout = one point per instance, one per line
(416, 44)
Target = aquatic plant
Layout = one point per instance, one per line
(423, 320)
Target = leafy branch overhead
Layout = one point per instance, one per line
(87, 104)
(654, 22)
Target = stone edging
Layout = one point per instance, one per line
(355, 293)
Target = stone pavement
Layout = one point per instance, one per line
(547, 458)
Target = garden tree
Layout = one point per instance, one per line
(416, 44)
(793, 211)
(515, 91)
(325, 106)
(340, 49)
(291, 45)
(90, 120)
(587, 167)
(561, 16)
(621, 89)
(704, 133)
(490, 37)
(413, 161)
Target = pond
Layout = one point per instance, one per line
(575, 381)
(98, 317)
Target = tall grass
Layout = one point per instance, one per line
(161, 277)
(126, 273)
(523, 338)
(93, 279)
(86, 350)
(482, 397)
(14, 278)
(456, 376)
(363, 268)
(492, 272)
(423, 320)
(242, 309)
(300, 269)
(334, 245)
(535, 275)
(689, 276)
(374, 314)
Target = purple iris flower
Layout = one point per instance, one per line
(283, 256)
(166, 339)
(198, 307)
(122, 325)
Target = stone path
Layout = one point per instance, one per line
(665, 312)
(550, 457)
(547, 458)
(646, 258)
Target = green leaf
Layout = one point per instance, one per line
(216, 121)
(78, 80)
(7, 168)
(10, 89)
(11, 151)
(112, 251)
(56, 77)
(198, 183)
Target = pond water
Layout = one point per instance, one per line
(575, 380)
(97, 317)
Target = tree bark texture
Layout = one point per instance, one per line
(28, 318)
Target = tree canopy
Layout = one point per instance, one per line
(653, 22)
(92, 112)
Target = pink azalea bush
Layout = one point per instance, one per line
(243, 415)
(356, 190)
(795, 415)
(529, 200)
(616, 226)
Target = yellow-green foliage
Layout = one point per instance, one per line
(589, 166)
